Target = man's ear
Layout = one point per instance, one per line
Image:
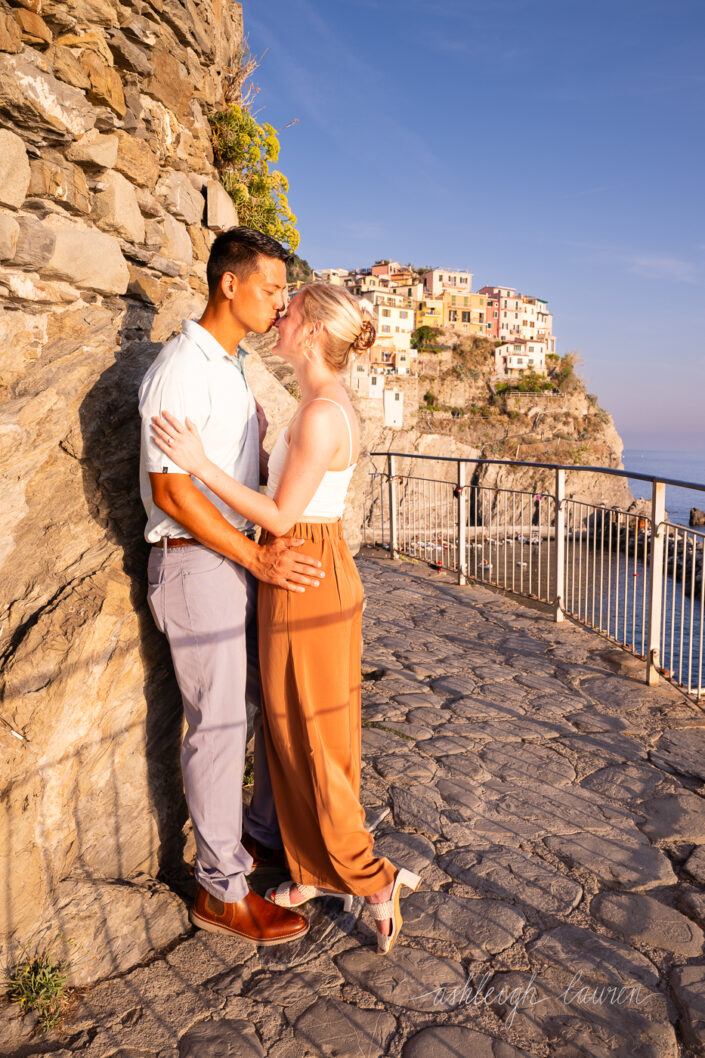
(228, 285)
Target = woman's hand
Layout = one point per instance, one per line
(182, 443)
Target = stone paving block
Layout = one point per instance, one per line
(333, 1029)
(514, 876)
(420, 700)
(553, 809)
(406, 977)
(221, 1039)
(576, 950)
(681, 751)
(464, 765)
(523, 645)
(444, 745)
(688, 985)
(452, 1041)
(642, 919)
(543, 683)
(622, 857)
(413, 851)
(555, 706)
(205, 956)
(606, 748)
(482, 709)
(674, 817)
(148, 1009)
(582, 1021)
(614, 692)
(327, 921)
(528, 729)
(415, 732)
(398, 768)
(453, 686)
(289, 989)
(691, 902)
(417, 807)
(375, 741)
(695, 864)
(525, 762)
(502, 692)
(427, 716)
(491, 672)
(480, 927)
(626, 782)
(596, 723)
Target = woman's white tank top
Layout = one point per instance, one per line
(328, 501)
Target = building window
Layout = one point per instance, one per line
(397, 396)
(466, 317)
(386, 312)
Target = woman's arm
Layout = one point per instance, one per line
(314, 443)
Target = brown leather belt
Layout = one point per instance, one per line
(176, 541)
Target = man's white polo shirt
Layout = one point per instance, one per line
(194, 376)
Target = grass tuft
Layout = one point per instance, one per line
(38, 984)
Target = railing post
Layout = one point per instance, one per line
(391, 471)
(559, 546)
(653, 632)
(462, 524)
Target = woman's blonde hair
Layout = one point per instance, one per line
(349, 330)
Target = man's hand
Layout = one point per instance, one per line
(280, 565)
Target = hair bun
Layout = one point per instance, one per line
(365, 338)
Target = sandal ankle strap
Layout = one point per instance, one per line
(382, 911)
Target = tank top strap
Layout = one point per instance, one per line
(347, 422)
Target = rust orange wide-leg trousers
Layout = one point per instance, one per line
(309, 645)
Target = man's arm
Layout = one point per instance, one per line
(275, 563)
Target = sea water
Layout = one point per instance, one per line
(679, 466)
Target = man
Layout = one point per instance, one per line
(202, 591)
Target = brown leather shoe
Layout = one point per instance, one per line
(251, 918)
(263, 855)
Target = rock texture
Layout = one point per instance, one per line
(105, 166)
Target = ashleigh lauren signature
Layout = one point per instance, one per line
(577, 994)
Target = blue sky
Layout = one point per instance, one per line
(554, 146)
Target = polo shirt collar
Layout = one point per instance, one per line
(209, 346)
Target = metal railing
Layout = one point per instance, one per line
(635, 578)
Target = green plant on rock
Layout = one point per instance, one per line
(424, 338)
(243, 151)
(38, 984)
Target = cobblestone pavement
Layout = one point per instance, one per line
(553, 805)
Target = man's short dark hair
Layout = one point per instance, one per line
(238, 251)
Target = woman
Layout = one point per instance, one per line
(310, 643)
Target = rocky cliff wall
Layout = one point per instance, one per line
(108, 205)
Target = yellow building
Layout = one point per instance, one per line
(465, 313)
(429, 312)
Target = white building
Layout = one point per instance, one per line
(364, 380)
(521, 316)
(393, 404)
(393, 320)
(440, 279)
(336, 276)
(520, 356)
